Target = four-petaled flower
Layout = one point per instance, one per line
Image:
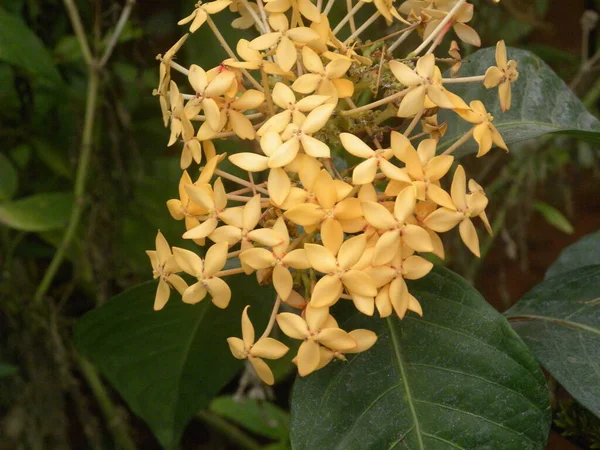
(484, 132)
(502, 76)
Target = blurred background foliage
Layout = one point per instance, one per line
(543, 197)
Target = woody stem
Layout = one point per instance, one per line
(460, 142)
(378, 103)
(271, 323)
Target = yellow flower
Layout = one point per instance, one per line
(318, 327)
(458, 23)
(164, 267)
(396, 227)
(424, 167)
(279, 259)
(425, 82)
(365, 339)
(387, 9)
(390, 279)
(285, 39)
(265, 347)
(201, 13)
(234, 111)
(337, 267)
(285, 98)
(365, 172)
(183, 208)
(214, 202)
(466, 207)
(432, 128)
(205, 272)
(330, 213)
(305, 7)
(205, 90)
(422, 210)
(254, 60)
(484, 132)
(165, 68)
(502, 76)
(325, 80)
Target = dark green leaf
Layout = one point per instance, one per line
(457, 378)
(260, 417)
(40, 212)
(584, 252)
(167, 365)
(8, 179)
(20, 47)
(6, 370)
(542, 103)
(559, 320)
(554, 217)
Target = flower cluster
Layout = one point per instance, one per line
(344, 192)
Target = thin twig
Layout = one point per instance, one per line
(114, 38)
(271, 323)
(79, 31)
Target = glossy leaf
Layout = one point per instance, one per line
(8, 179)
(559, 320)
(40, 212)
(541, 103)
(457, 378)
(20, 47)
(167, 365)
(584, 252)
(260, 417)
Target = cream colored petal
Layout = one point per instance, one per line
(483, 136)
(302, 35)
(292, 325)
(360, 283)
(320, 258)
(282, 281)
(332, 234)
(237, 348)
(312, 61)
(399, 297)
(383, 302)
(262, 370)
(413, 102)
(458, 191)
(501, 57)
(265, 236)
(250, 161)
(442, 220)
(365, 172)
(309, 103)
(219, 291)
(365, 339)
(286, 54)
(297, 259)
(438, 166)
(336, 339)
(265, 41)
(276, 124)
(269, 348)
(337, 68)
(307, 83)
(364, 304)
(278, 185)
(317, 118)
(197, 78)
(307, 214)
(344, 87)
(378, 216)
(505, 95)
(468, 234)
(437, 94)
(251, 99)
(405, 74)
(324, 190)
(315, 147)
(215, 259)
(285, 154)
(178, 283)
(467, 34)
(230, 235)
(386, 248)
(308, 357)
(326, 292)
(241, 125)
(393, 172)
(189, 261)
(439, 196)
(351, 251)
(252, 213)
(415, 267)
(258, 258)
(201, 196)
(316, 317)
(426, 65)
(405, 204)
(493, 77)
(414, 305)
(233, 216)
(348, 209)
(417, 238)
(283, 96)
(194, 294)
(247, 329)
(163, 293)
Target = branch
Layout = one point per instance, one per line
(117, 32)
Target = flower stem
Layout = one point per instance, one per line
(114, 38)
(378, 103)
(239, 181)
(226, 273)
(348, 17)
(363, 27)
(271, 323)
(460, 142)
(413, 123)
(463, 80)
(439, 28)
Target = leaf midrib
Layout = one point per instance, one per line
(409, 399)
(561, 322)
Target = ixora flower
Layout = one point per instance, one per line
(165, 268)
(339, 187)
(254, 352)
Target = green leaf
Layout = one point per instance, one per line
(40, 212)
(554, 217)
(7, 370)
(20, 47)
(8, 179)
(541, 103)
(584, 252)
(457, 378)
(559, 320)
(260, 417)
(167, 365)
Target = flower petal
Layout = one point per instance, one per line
(326, 292)
(308, 357)
(269, 348)
(220, 292)
(292, 325)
